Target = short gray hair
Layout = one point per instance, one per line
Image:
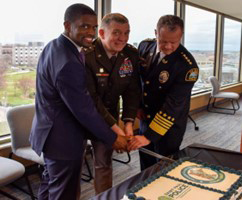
(116, 17)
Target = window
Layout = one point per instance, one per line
(142, 16)
(200, 26)
(231, 52)
(28, 26)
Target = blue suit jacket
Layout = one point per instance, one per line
(65, 113)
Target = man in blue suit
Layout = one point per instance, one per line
(65, 113)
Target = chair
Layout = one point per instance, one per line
(88, 175)
(20, 121)
(11, 170)
(124, 161)
(216, 93)
(193, 121)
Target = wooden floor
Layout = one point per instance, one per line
(219, 130)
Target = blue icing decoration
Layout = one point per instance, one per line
(131, 196)
(140, 198)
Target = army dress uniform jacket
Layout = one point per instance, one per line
(166, 92)
(107, 82)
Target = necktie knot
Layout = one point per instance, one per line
(113, 60)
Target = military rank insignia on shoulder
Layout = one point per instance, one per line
(88, 49)
(192, 75)
(131, 47)
(186, 58)
(149, 40)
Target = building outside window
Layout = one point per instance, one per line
(27, 26)
(200, 29)
(231, 52)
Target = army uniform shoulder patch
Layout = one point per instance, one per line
(192, 75)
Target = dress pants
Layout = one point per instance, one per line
(60, 180)
(103, 167)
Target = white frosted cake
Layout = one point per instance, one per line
(187, 179)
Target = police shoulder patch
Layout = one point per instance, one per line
(192, 75)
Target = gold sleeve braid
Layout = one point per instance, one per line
(161, 123)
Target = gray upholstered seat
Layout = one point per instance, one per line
(216, 93)
(20, 121)
(10, 170)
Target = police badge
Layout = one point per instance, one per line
(192, 75)
(164, 76)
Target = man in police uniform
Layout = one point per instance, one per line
(112, 72)
(168, 74)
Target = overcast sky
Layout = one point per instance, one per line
(42, 20)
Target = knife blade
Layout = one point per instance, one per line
(156, 155)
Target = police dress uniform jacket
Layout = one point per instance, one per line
(166, 92)
(65, 113)
(107, 82)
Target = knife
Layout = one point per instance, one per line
(156, 155)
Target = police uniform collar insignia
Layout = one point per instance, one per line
(192, 75)
(164, 61)
(164, 76)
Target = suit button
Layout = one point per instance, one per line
(145, 94)
(148, 116)
(147, 82)
(146, 105)
(160, 87)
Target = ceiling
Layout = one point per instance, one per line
(228, 7)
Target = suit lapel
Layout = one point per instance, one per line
(151, 55)
(67, 43)
(120, 59)
(165, 64)
(148, 71)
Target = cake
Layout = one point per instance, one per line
(189, 179)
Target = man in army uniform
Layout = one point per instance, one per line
(112, 72)
(168, 74)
